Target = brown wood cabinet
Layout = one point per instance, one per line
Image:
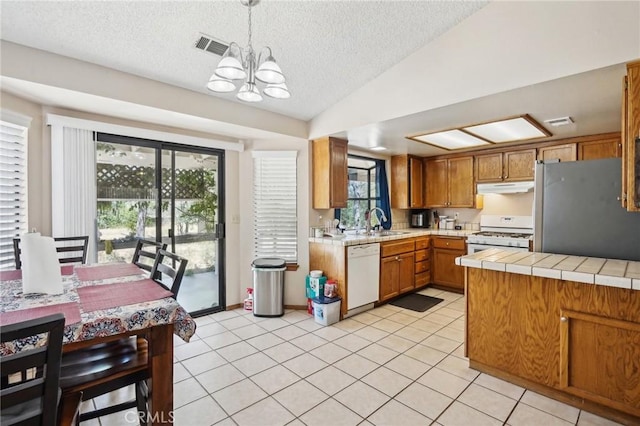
(631, 138)
(508, 166)
(407, 189)
(397, 260)
(449, 182)
(423, 262)
(330, 177)
(445, 272)
(594, 150)
(564, 153)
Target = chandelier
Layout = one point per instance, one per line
(264, 68)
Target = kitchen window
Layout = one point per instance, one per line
(13, 188)
(275, 205)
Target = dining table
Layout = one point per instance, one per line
(105, 302)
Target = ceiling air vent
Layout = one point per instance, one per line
(557, 122)
(208, 44)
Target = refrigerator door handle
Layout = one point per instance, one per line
(538, 190)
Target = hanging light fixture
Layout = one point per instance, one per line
(233, 66)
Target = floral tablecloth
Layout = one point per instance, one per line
(95, 324)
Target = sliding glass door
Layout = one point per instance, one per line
(170, 193)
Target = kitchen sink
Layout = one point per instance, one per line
(387, 233)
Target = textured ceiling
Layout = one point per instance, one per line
(327, 49)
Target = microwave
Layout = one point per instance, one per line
(420, 218)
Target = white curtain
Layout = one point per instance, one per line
(73, 186)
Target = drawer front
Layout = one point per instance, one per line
(422, 279)
(449, 243)
(421, 255)
(422, 243)
(394, 248)
(422, 266)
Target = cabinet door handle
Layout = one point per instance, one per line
(447, 243)
(563, 319)
(398, 259)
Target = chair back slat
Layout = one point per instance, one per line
(34, 398)
(142, 256)
(80, 248)
(168, 271)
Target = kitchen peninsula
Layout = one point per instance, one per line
(565, 326)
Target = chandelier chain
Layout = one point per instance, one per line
(250, 46)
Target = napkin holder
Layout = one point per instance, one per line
(40, 266)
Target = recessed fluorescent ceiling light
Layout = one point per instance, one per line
(450, 139)
(378, 148)
(509, 130)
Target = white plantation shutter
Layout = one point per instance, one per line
(274, 204)
(13, 189)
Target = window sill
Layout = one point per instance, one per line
(292, 266)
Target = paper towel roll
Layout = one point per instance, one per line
(40, 265)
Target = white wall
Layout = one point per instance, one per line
(495, 204)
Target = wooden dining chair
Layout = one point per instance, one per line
(143, 257)
(105, 367)
(32, 398)
(77, 246)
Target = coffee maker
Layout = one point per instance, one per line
(420, 218)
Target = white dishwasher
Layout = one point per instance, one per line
(363, 275)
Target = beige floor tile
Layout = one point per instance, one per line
(195, 348)
(309, 325)
(331, 413)
(461, 415)
(308, 342)
(424, 400)
(239, 396)
(366, 318)
(300, 397)
(440, 343)
(500, 386)
(275, 379)
(271, 324)
(458, 324)
(407, 366)
(451, 333)
(305, 364)
(330, 333)
(210, 329)
(438, 318)
(204, 411)
(330, 380)
(393, 414)
(356, 365)
(254, 364)
(443, 382)
(267, 412)
(386, 381)
(179, 372)
(221, 340)
(426, 325)
(283, 352)
(218, 378)
(525, 415)
(236, 351)
(387, 325)
(371, 333)
(128, 417)
(295, 422)
(233, 323)
(426, 354)
(361, 398)
(459, 352)
(330, 353)
(402, 318)
(224, 315)
(383, 311)
(349, 325)
(187, 391)
(265, 341)
(378, 353)
(411, 333)
(589, 419)
(202, 321)
(289, 332)
(459, 367)
(395, 343)
(249, 331)
(296, 316)
(551, 406)
(116, 397)
(451, 313)
(489, 402)
(352, 342)
(201, 363)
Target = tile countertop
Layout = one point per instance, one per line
(590, 270)
(352, 240)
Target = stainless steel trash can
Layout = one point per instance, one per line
(268, 287)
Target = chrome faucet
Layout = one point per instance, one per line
(367, 217)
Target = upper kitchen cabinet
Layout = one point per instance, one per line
(609, 147)
(407, 190)
(449, 182)
(329, 173)
(631, 138)
(508, 166)
(566, 152)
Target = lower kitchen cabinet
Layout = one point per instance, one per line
(445, 272)
(396, 268)
(423, 262)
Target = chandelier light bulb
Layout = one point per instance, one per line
(278, 91)
(220, 84)
(249, 93)
(269, 72)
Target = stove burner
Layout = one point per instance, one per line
(502, 234)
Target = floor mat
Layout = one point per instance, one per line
(416, 302)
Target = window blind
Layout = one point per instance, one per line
(13, 189)
(275, 204)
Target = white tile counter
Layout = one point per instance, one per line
(351, 240)
(589, 270)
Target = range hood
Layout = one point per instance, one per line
(505, 188)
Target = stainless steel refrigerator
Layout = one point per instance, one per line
(577, 210)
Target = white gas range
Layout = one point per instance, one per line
(504, 232)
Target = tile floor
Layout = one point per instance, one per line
(387, 366)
